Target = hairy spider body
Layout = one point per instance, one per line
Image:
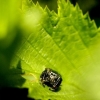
(50, 78)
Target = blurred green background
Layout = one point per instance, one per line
(10, 18)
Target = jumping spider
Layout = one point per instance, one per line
(51, 78)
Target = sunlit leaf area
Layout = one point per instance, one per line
(33, 38)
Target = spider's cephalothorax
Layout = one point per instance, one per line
(51, 79)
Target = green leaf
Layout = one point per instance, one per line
(67, 42)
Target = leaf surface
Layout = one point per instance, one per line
(67, 42)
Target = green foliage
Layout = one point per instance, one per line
(67, 42)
